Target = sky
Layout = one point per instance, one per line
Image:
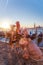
(27, 12)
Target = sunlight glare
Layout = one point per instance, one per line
(5, 25)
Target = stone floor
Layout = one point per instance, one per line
(9, 57)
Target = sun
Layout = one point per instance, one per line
(5, 25)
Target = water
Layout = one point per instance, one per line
(4, 40)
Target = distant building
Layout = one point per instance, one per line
(36, 29)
